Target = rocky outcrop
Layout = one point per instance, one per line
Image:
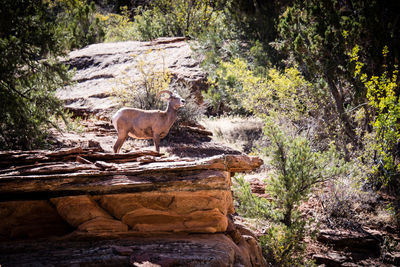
(158, 209)
(351, 248)
(100, 67)
(178, 250)
(363, 242)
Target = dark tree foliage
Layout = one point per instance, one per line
(115, 5)
(77, 23)
(257, 21)
(29, 74)
(319, 34)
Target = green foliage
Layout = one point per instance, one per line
(255, 23)
(314, 41)
(383, 97)
(143, 94)
(226, 92)
(286, 93)
(29, 73)
(118, 27)
(247, 203)
(182, 17)
(149, 24)
(284, 246)
(239, 89)
(79, 22)
(315, 35)
(161, 18)
(297, 169)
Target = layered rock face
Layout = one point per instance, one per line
(135, 207)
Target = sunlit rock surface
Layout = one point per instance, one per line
(100, 68)
(131, 208)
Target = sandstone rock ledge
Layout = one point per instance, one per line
(85, 207)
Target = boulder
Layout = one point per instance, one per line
(361, 243)
(101, 67)
(333, 259)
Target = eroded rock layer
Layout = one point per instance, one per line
(79, 194)
(178, 250)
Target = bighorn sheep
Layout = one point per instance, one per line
(146, 124)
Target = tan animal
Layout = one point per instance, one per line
(146, 124)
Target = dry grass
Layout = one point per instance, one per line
(242, 134)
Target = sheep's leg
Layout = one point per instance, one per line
(156, 140)
(120, 141)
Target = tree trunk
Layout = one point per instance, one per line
(287, 217)
(347, 127)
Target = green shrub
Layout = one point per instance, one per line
(284, 246)
(241, 89)
(295, 169)
(383, 97)
(29, 73)
(150, 24)
(248, 204)
(161, 18)
(79, 22)
(119, 27)
(182, 17)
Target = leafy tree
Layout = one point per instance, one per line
(118, 27)
(29, 73)
(384, 97)
(117, 5)
(316, 34)
(175, 18)
(255, 22)
(79, 22)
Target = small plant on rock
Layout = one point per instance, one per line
(154, 77)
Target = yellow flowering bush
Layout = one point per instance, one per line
(383, 96)
(286, 93)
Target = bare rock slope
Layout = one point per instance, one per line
(101, 67)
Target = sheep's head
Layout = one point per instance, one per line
(174, 100)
